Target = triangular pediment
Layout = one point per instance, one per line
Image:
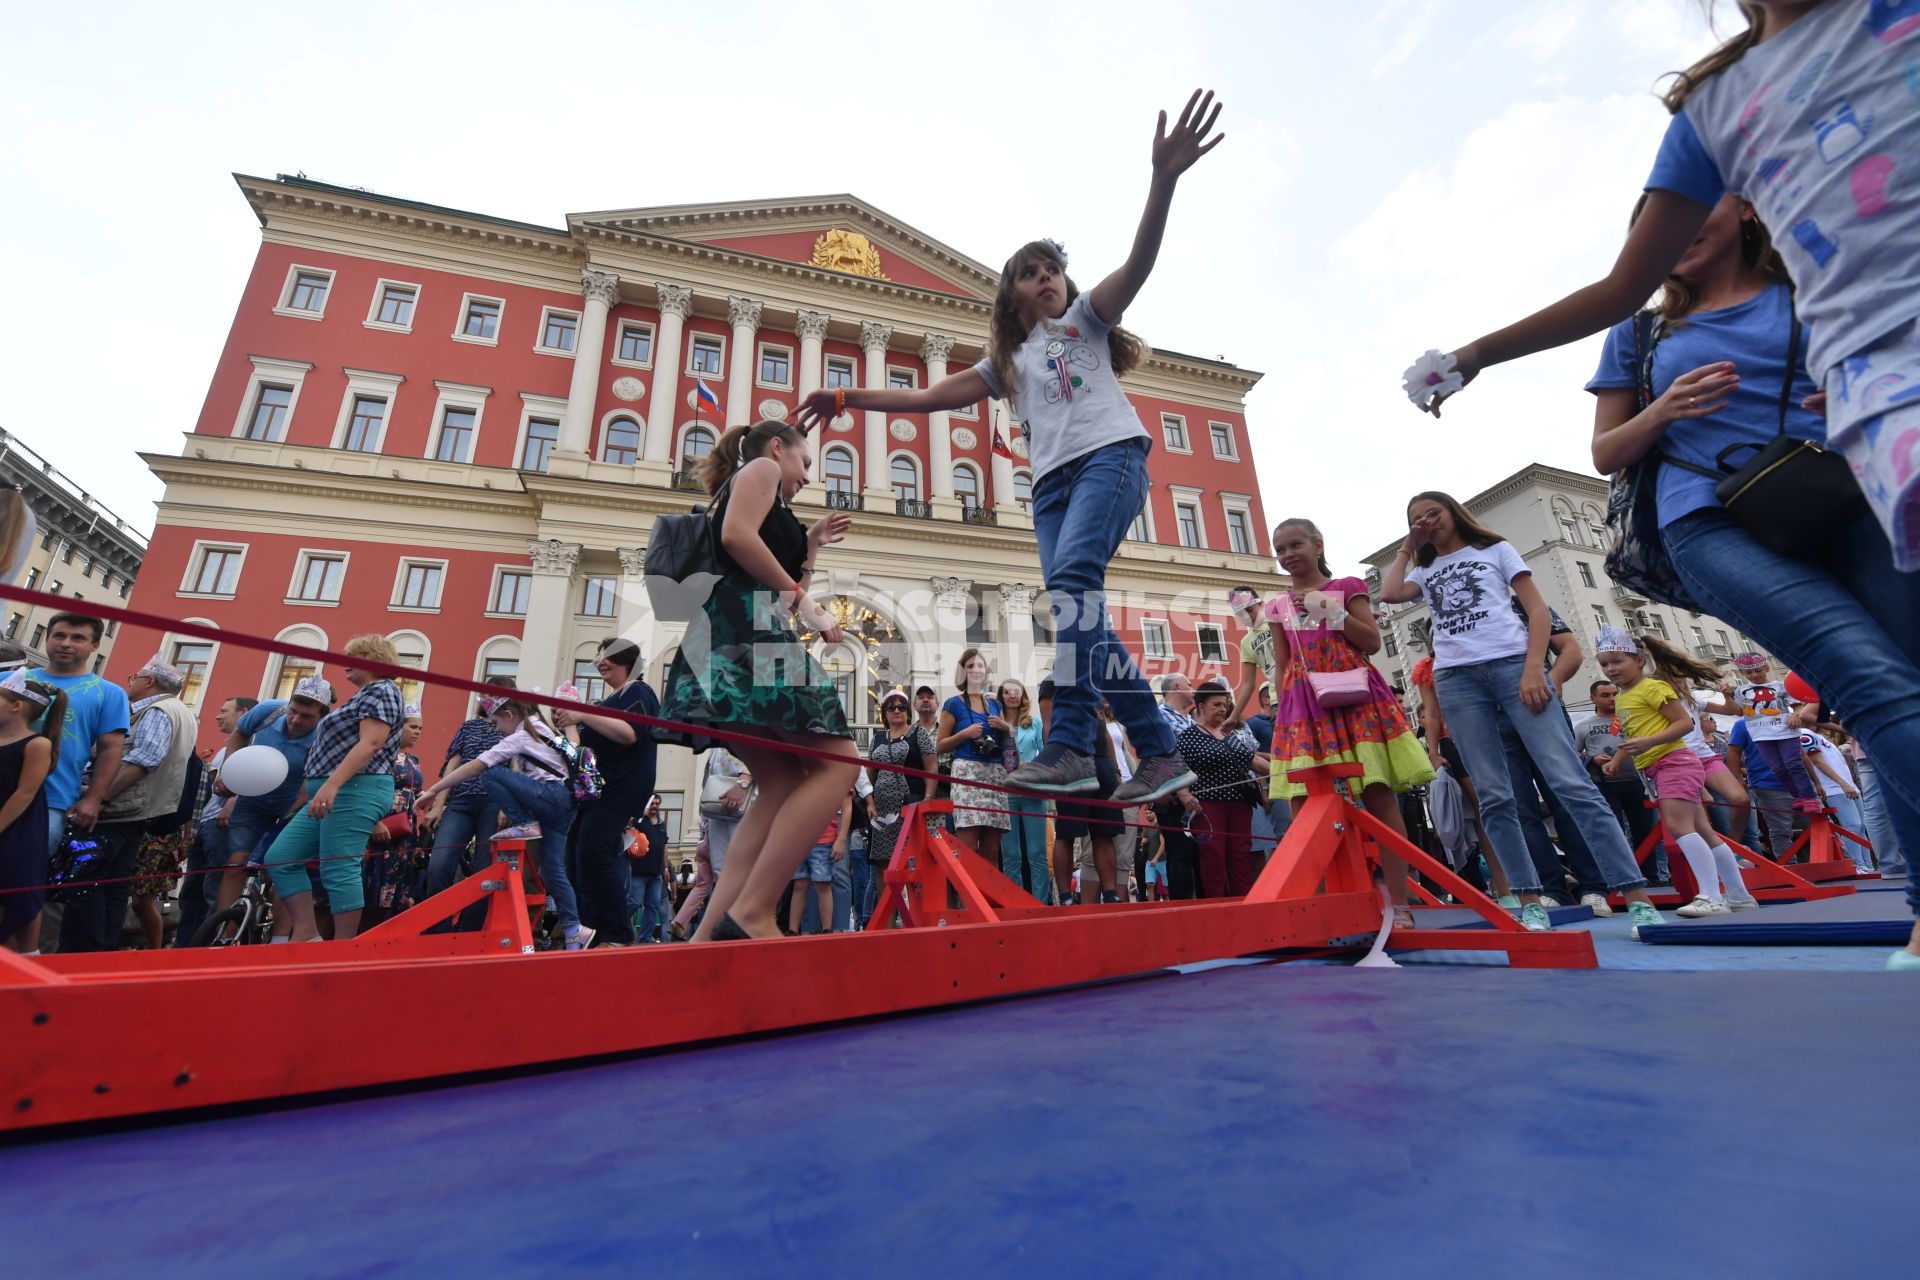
(835, 233)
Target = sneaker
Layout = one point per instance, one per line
(1534, 918)
(1597, 903)
(677, 931)
(580, 939)
(1109, 896)
(1057, 770)
(1642, 913)
(1903, 960)
(1508, 902)
(1743, 904)
(1809, 806)
(1702, 906)
(1157, 778)
(525, 831)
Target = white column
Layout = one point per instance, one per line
(602, 290)
(1016, 628)
(635, 620)
(744, 315)
(1006, 509)
(812, 328)
(935, 350)
(549, 610)
(874, 337)
(663, 413)
(950, 603)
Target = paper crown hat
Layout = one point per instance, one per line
(16, 684)
(314, 689)
(1616, 640)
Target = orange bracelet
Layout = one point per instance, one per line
(839, 401)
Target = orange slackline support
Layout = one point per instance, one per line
(1767, 880)
(116, 1034)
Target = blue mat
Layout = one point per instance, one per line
(1787, 933)
(1269, 1121)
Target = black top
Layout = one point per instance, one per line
(782, 531)
(655, 861)
(1223, 765)
(627, 768)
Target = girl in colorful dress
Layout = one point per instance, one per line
(1057, 355)
(27, 755)
(1656, 720)
(742, 668)
(1325, 625)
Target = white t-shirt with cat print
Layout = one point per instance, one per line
(1466, 591)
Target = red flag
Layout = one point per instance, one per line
(1000, 446)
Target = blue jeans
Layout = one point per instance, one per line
(1846, 812)
(1475, 699)
(1873, 811)
(200, 887)
(647, 897)
(1023, 850)
(859, 872)
(1081, 512)
(527, 799)
(1528, 782)
(1844, 618)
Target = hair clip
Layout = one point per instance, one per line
(1058, 248)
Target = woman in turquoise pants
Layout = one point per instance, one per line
(1023, 852)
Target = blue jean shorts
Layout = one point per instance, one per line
(819, 865)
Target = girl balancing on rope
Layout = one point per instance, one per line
(1056, 354)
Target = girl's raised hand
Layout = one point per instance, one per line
(1174, 153)
(814, 409)
(1699, 392)
(829, 529)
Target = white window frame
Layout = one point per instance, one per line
(168, 641)
(614, 591)
(1019, 472)
(695, 336)
(266, 370)
(276, 664)
(1219, 632)
(1242, 503)
(501, 648)
(1233, 441)
(971, 411)
(919, 476)
(467, 300)
(1184, 496)
(852, 367)
(540, 346)
(1186, 434)
(606, 424)
(404, 639)
(759, 354)
(1149, 628)
(840, 446)
(374, 386)
(400, 582)
(493, 589)
(1146, 517)
(979, 486)
(680, 444)
(195, 560)
(531, 407)
(380, 287)
(913, 376)
(1585, 570)
(619, 340)
(458, 395)
(285, 306)
(300, 563)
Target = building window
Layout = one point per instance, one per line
(33, 579)
(46, 540)
(1586, 572)
(66, 552)
(622, 444)
(1222, 435)
(672, 814)
(39, 634)
(600, 598)
(393, 305)
(1600, 616)
(588, 680)
(86, 566)
(1155, 640)
(839, 373)
(707, 355)
(409, 653)
(1699, 638)
(269, 418)
(1187, 516)
(1723, 641)
(558, 331)
(309, 291)
(695, 445)
(905, 478)
(1389, 642)
(1213, 641)
(218, 572)
(317, 581)
(542, 435)
(636, 343)
(56, 586)
(1239, 532)
(510, 591)
(456, 435)
(363, 428)
(838, 470)
(1569, 531)
(899, 379)
(419, 584)
(113, 628)
(1137, 531)
(192, 659)
(13, 624)
(508, 668)
(776, 365)
(1599, 532)
(1659, 624)
(966, 487)
(1023, 488)
(480, 320)
(1173, 428)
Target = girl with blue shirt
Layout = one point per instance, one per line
(1056, 355)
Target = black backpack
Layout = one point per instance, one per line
(683, 562)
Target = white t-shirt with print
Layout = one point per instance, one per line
(1466, 591)
(1836, 760)
(1764, 706)
(1065, 395)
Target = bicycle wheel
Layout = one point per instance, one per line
(222, 928)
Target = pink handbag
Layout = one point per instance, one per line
(1340, 688)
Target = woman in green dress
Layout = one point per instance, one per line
(747, 671)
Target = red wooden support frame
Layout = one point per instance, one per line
(100, 1036)
(1826, 856)
(1767, 880)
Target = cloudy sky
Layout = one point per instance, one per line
(1398, 175)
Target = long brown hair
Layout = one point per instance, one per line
(738, 447)
(1676, 666)
(1470, 531)
(1025, 719)
(1125, 350)
(1678, 295)
(1685, 82)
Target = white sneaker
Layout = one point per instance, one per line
(1597, 902)
(1743, 904)
(1702, 906)
(580, 939)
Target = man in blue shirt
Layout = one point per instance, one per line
(288, 728)
(1772, 802)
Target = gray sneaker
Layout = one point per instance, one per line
(1157, 778)
(1057, 770)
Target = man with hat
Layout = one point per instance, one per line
(1257, 656)
(287, 726)
(149, 783)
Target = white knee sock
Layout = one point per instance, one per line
(1700, 860)
(1730, 876)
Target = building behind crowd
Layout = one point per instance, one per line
(456, 430)
(81, 548)
(1556, 520)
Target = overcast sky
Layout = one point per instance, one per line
(1397, 176)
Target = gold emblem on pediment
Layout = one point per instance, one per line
(848, 251)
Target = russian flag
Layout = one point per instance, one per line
(705, 392)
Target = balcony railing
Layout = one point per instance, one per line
(1628, 596)
(978, 515)
(846, 500)
(685, 478)
(913, 508)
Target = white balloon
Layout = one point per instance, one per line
(253, 771)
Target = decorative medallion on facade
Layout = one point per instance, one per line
(773, 409)
(629, 389)
(848, 251)
(902, 430)
(964, 437)
(842, 423)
